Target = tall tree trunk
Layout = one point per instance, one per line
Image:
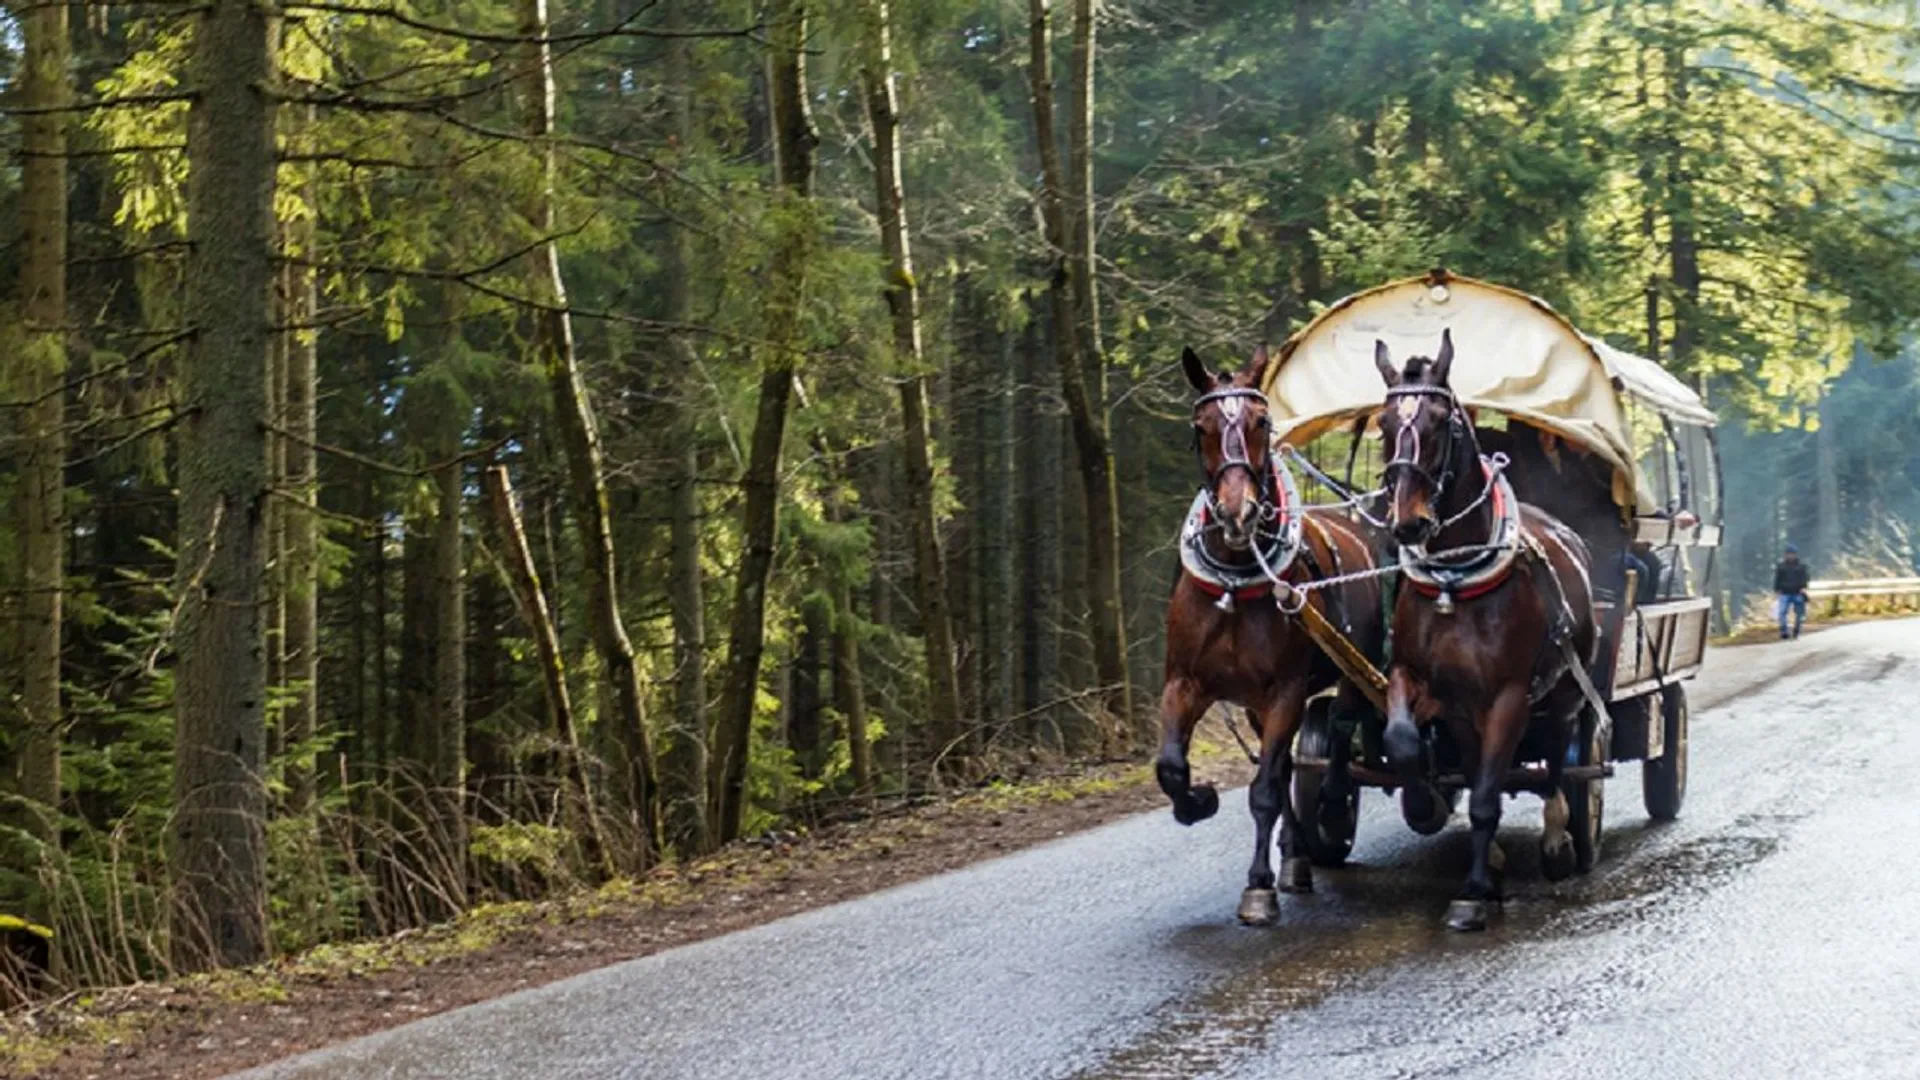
(301, 719)
(419, 886)
(1041, 497)
(42, 523)
(532, 602)
(1067, 207)
(876, 471)
(446, 763)
(903, 302)
(219, 836)
(685, 767)
(553, 345)
(1827, 523)
(276, 518)
(804, 698)
(1683, 248)
(794, 144)
(849, 688)
(1647, 174)
(360, 700)
(994, 529)
(1087, 408)
(380, 736)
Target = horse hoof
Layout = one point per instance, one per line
(1259, 907)
(1201, 803)
(1401, 741)
(1558, 864)
(1296, 875)
(1467, 916)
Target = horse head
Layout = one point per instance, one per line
(1231, 434)
(1422, 424)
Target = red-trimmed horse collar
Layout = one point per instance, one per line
(1488, 569)
(1278, 537)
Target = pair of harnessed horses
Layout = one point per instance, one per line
(1489, 638)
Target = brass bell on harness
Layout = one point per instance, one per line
(1444, 605)
(1225, 603)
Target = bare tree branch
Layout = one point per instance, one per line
(124, 102)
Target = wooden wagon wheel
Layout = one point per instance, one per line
(1587, 799)
(1663, 780)
(1327, 822)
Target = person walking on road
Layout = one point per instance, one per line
(1790, 591)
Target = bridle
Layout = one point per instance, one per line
(1406, 441)
(1406, 458)
(1233, 449)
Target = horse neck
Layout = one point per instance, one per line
(1467, 484)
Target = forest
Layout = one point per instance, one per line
(457, 450)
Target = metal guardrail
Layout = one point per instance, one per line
(1904, 586)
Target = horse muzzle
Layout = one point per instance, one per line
(1236, 529)
(1415, 531)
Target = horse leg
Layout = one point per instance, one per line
(1500, 731)
(1401, 739)
(1557, 857)
(1182, 704)
(1419, 800)
(1267, 800)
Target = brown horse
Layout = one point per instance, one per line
(1228, 641)
(1494, 588)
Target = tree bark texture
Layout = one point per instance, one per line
(849, 688)
(1683, 249)
(1000, 605)
(1067, 207)
(532, 602)
(42, 483)
(446, 761)
(903, 303)
(794, 144)
(1040, 468)
(302, 716)
(276, 517)
(219, 838)
(684, 770)
(573, 411)
(805, 698)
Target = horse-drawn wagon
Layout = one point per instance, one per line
(1582, 474)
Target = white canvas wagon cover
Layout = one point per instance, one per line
(1512, 354)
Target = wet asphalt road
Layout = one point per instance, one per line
(1773, 931)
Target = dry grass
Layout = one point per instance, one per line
(153, 1020)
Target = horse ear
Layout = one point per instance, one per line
(1257, 370)
(1443, 363)
(1383, 360)
(1197, 376)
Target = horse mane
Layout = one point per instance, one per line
(1416, 370)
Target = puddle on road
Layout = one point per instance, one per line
(1365, 922)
